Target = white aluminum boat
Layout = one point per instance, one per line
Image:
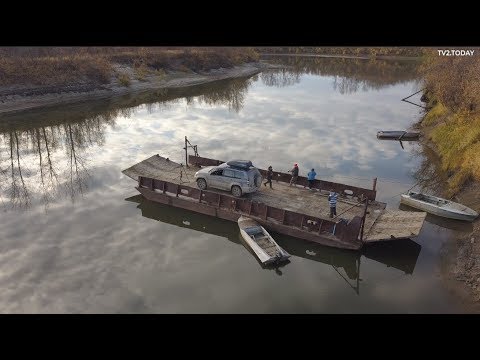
(261, 242)
(438, 206)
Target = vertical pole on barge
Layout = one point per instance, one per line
(186, 157)
(363, 219)
(374, 184)
(358, 274)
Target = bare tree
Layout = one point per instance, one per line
(78, 171)
(19, 194)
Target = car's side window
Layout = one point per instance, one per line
(228, 173)
(240, 175)
(217, 172)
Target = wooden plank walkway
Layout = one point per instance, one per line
(393, 223)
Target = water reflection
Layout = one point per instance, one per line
(45, 159)
(428, 174)
(399, 254)
(81, 258)
(350, 75)
(280, 77)
(46, 152)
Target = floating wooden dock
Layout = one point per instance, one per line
(295, 211)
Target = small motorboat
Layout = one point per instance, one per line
(261, 242)
(438, 206)
(398, 135)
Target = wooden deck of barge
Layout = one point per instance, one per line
(380, 224)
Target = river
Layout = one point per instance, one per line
(77, 237)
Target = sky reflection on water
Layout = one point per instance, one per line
(78, 246)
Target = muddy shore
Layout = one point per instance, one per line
(460, 261)
(20, 98)
(460, 257)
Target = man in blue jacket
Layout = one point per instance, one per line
(311, 177)
(332, 200)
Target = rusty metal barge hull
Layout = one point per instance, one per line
(232, 215)
(292, 211)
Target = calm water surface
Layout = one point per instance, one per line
(76, 237)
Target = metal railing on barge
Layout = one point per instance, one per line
(229, 207)
(342, 189)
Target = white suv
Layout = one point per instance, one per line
(237, 176)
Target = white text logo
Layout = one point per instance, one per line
(456, 52)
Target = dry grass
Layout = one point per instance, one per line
(141, 72)
(453, 93)
(123, 79)
(435, 114)
(457, 140)
(346, 51)
(453, 80)
(33, 66)
(54, 70)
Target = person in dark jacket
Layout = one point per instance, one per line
(269, 177)
(294, 172)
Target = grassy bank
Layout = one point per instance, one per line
(345, 51)
(452, 122)
(48, 66)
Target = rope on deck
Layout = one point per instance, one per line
(360, 203)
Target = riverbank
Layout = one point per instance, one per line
(460, 262)
(16, 98)
(359, 57)
(451, 128)
(460, 257)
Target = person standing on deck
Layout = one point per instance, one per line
(311, 178)
(269, 177)
(332, 200)
(294, 172)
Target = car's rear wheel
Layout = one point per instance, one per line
(202, 184)
(236, 191)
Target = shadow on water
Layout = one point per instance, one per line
(399, 254)
(429, 175)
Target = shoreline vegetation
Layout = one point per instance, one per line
(37, 77)
(33, 77)
(451, 126)
(367, 52)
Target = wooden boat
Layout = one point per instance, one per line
(438, 206)
(398, 135)
(261, 242)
